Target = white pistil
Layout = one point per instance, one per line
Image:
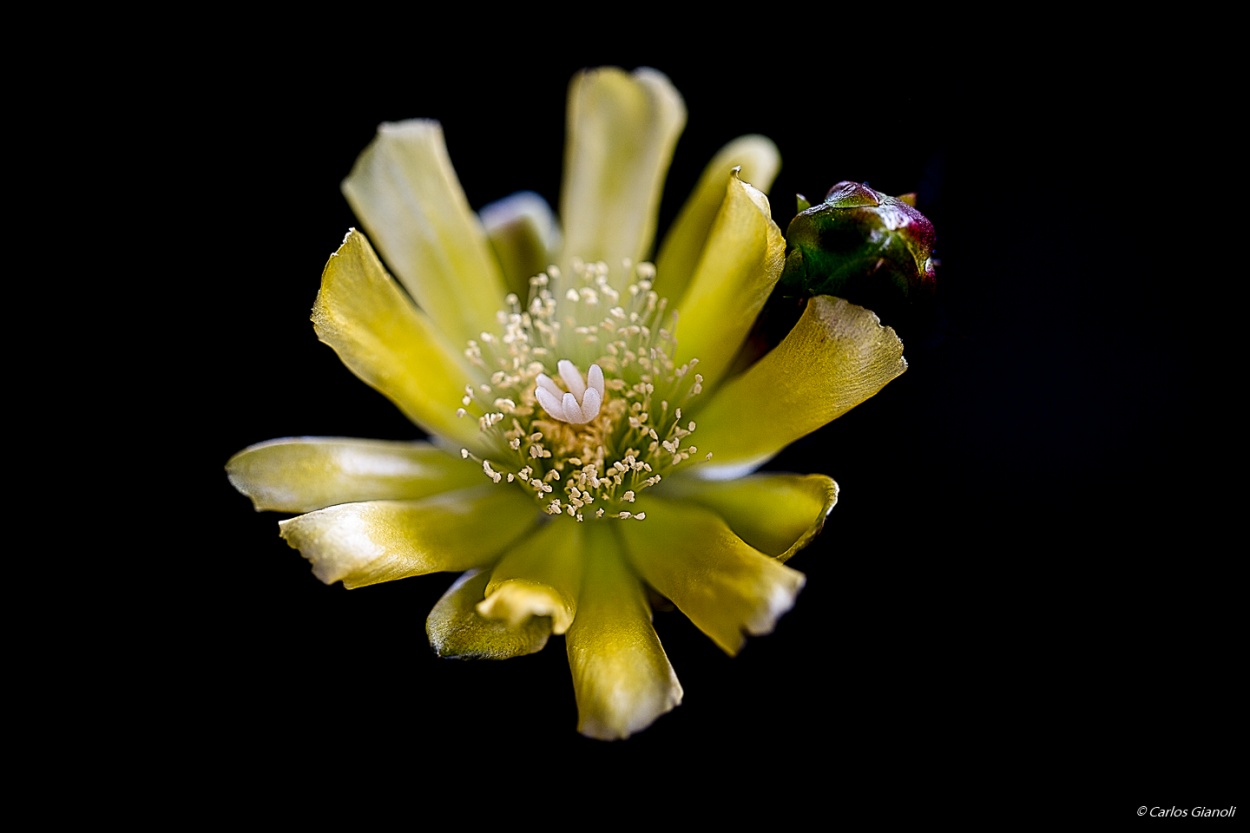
(581, 401)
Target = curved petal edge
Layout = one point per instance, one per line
(725, 586)
(621, 676)
(837, 356)
(384, 540)
(392, 345)
(777, 514)
(406, 193)
(732, 281)
(456, 629)
(756, 160)
(301, 474)
(622, 128)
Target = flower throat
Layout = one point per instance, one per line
(592, 453)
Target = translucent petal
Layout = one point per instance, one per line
(837, 356)
(407, 196)
(621, 132)
(539, 576)
(524, 235)
(390, 344)
(743, 259)
(300, 474)
(621, 677)
(683, 246)
(727, 587)
(778, 514)
(384, 540)
(456, 630)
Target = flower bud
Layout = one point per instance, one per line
(872, 249)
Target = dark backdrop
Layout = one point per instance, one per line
(1017, 596)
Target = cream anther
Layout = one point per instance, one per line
(581, 401)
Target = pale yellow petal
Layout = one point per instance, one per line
(381, 335)
(621, 132)
(408, 199)
(384, 540)
(456, 630)
(300, 474)
(778, 514)
(524, 236)
(740, 265)
(727, 587)
(837, 356)
(758, 161)
(539, 576)
(621, 677)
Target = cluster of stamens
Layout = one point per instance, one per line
(586, 446)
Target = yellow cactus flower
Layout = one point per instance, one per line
(592, 438)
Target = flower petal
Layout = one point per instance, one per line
(523, 232)
(300, 474)
(384, 540)
(740, 265)
(778, 514)
(390, 344)
(539, 576)
(726, 587)
(407, 196)
(621, 677)
(758, 160)
(621, 132)
(456, 630)
(837, 356)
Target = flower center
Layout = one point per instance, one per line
(583, 445)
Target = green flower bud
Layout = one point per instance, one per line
(872, 249)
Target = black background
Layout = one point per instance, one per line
(1019, 600)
